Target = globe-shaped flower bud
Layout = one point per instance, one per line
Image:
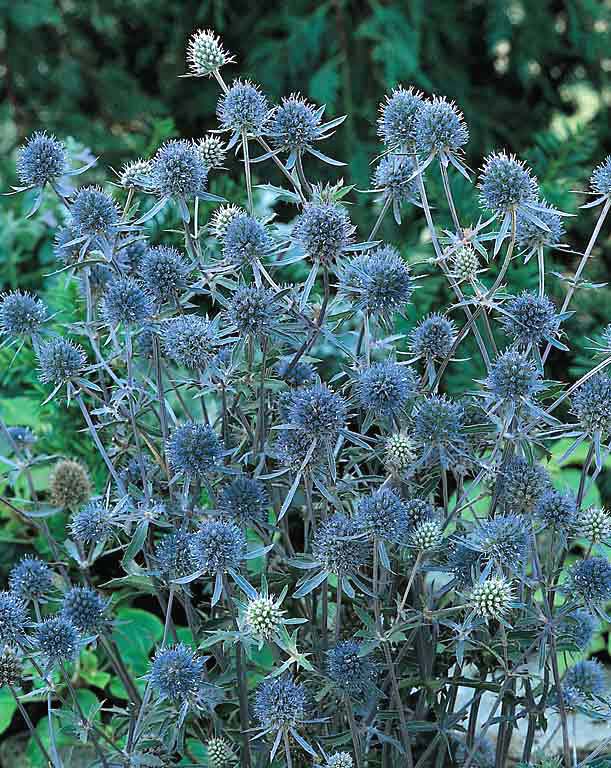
(173, 555)
(136, 174)
(384, 388)
(427, 535)
(11, 666)
(57, 639)
(465, 263)
(212, 150)
(294, 124)
(21, 314)
(220, 754)
(351, 671)
(578, 628)
(339, 546)
(263, 617)
(124, 301)
(31, 579)
(243, 109)
(529, 319)
(438, 428)
(13, 617)
(419, 511)
(505, 183)
(205, 53)
(92, 523)
(164, 273)
(253, 311)
(222, 218)
(69, 484)
(280, 702)
(245, 240)
(295, 375)
(531, 237)
(439, 126)
(587, 677)
(190, 340)
(504, 539)
(294, 446)
(513, 376)
(590, 581)
(318, 411)
(557, 510)
(245, 500)
(86, 609)
(492, 597)
(600, 181)
(394, 176)
(340, 760)
(520, 484)
(194, 449)
(592, 405)
(399, 452)
(433, 337)
(41, 159)
(218, 546)
(178, 170)
(382, 515)
(94, 214)
(59, 361)
(397, 116)
(595, 524)
(176, 673)
(324, 231)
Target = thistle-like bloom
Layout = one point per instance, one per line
(557, 510)
(220, 753)
(294, 125)
(530, 319)
(245, 241)
(218, 546)
(399, 452)
(592, 405)
(492, 597)
(245, 500)
(177, 673)
(124, 301)
(21, 315)
(243, 109)
(253, 311)
(280, 703)
(438, 429)
(378, 282)
(439, 129)
(578, 628)
(513, 377)
(11, 666)
(318, 411)
(394, 177)
(92, 523)
(178, 170)
(397, 116)
(173, 555)
(324, 231)
(506, 184)
(294, 446)
(600, 181)
(531, 238)
(433, 337)
(338, 545)
(13, 617)
(94, 214)
(352, 672)
(31, 579)
(205, 53)
(419, 511)
(426, 535)
(263, 617)
(58, 640)
(382, 515)
(590, 581)
(130, 255)
(194, 450)
(190, 340)
(136, 174)
(504, 539)
(520, 485)
(595, 524)
(213, 151)
(222, 218)
(60, 361)
(164, 272)
(86, 609)
(340, 760)
(465, 263)
(587, 679)
(41, 160)
(385, 388)
(298, 375)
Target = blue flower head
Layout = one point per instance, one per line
(590, 581)
(324, 231)
(504, 539)
(31, 579)
(124, 301)
(94, 214)
(382, 515)
(21, 314)
(529, 319)
(253, 311)
(219, 545)
(294, 124)
(205, 53)
(293, 447)
(57, 639)
(178, 170)
(92, 523)
(164, 272)
(298, 375)
(243, 108)
(579, 627)
(59, 361)
(506, 184)
(351, 671)
(176, 673)
(592, 405)
(190, 340)
(86, 609)
(433, 337)
(439, 127)
(394, 176)
(13, 617)
(438, 429)
(245, 241)
(520, 485)
(173, 555)
(41, 159)
(587, 678)
(557, 510)
(194, 450)
(531, 237)
(130, 255)
(397, 116)
(513, 376)
(280, 702)
(600, 181)
(385, 388)
(339, 546)
(318, 412)
(245, 500)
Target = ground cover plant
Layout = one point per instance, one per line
(296, 545)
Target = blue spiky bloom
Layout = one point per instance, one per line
(600, 181)
(218, 545)
(385, 388)
(176, 673)
(178, 170)
(520, 485)
(462, 563)
(397, 116)
(57, 639)
(381, 515)
(100, 277)
(324, 231)
(590, 581)
(505, 183)
(86, 609)
(91, 523)
(245, 500)
(513, 376)
(190, 340)
(11, 666)
(294, 445)
(31, 578)
(418, 511)
(13, 617)
(351, 671)
(243, 108)
(394, 175)
(164, 272)
(64, 253)
(124, 301)
(130, 256)
(253, 311)
(504, 539)
(579, 627)
(433, 337)
(587, 677)
(173, 555)
(280, 702)
(245, 240)
(23, 437)
(297, 375)
(294, 124)
(59, 361)
(439, 126)
(592, 404)
(378, 282)
(557, 509)
(94, 214)
(338, 545)
(318, 411)
(194, 449)
(529, 318)
(438, 429)
(41, 159)
(21, 314)
(530, 237)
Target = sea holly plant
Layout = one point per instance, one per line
(281, 534)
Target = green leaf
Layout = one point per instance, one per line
(7, 708)
(135, 635)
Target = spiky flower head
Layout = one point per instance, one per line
(531, 237)
(190, 340)
(253, 310)
(504, 539)
(178, 169)
(41, 159)
(557, 510)
(11, 666)
(205, 53)
(399, 452)
(465, 263)
(513, 376)
(93, 522)
(130, 255)
(13, 617)
(94, 214)
(86, 609)
(100, 277)
(590, 581)
(595, 524)
(280, 702)
(164, 272)
(378, 282)
(492, 597)
(294, 446)
(384, 388)
(579, 627)
(350, 669)
(245, 500)
(263, 617)
(338, 545)
(297, 375)
(397, 116)
(21, 314)
(592, 404)
(173, 555)
(382, 515)
(600, 181)
(176, 673)
(218, 546)
(243, 109)
(419, 511)
(587, 677)
(428, 534)
(529, 318)
(294, 124)
(318, 411)
(23, 437)
(136, 174)
(439, 127)
(520, 484)
(245, 240)
(59, 361)
(220, 753)
(31, 578)
(57, 639)
(438, 428)
(213, 151)
(194, 449)
(433, 337)
(324, 231)
(222, 218)
(394, 175)
(340, 760)
(506, 183)
(124, 301)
